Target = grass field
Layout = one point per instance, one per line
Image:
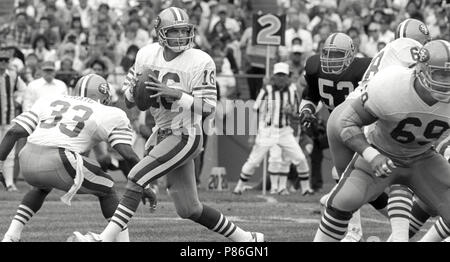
(291, 218)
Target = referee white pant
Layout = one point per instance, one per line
(268, 137)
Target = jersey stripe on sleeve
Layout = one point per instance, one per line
(120, 136)
(28, 120)
(207, 93)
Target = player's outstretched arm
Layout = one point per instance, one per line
(14, 133)
(128, 154)
(353, 118)
(128, 87)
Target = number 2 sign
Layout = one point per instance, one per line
(268, 29)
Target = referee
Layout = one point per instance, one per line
(276, 102)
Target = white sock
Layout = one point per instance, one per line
(400, 229)
(282, 183)
(111, 232)
(240, 235)
(274, 182)
(123, 236)
(431, 236)
(438, 232)
(15, 229)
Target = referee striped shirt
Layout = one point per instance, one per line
(271, 102)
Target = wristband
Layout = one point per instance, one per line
(129, 95)
(186, 101)
(370, 153)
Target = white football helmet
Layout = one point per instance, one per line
(433, 69)
(414, 29)
(94, 87)
(170, 18)
(337, 53)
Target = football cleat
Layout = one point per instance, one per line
(12, 188)
(8, 238)
(283, 192)
(240, 188)
(89, 237)
(353, 235)
(307, 192)
(256, 237)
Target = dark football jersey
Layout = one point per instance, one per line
(332, 89)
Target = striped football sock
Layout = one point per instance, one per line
(123, 214)
(418, 219)
(437, 233)
(217, 222)
(399, 211)
(333, 225)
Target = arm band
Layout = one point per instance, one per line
(186, 101)
(370, 153)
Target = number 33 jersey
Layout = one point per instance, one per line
(332, 89)
(193, 72)
(406, 126)
(74, 123)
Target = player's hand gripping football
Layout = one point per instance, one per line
(150, 196)
(382, 165)
(306, 118)
(162, 89)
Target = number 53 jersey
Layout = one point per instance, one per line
(406, 126)
(74, 123)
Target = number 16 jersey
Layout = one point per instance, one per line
(74, 123)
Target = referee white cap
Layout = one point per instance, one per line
(281, 68)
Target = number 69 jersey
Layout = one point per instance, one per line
(406, 125)
(74, 123)
(193, 72)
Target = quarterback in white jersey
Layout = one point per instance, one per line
(399, 149)
(185, 80)
(60, 128)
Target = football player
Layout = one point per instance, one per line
(399, 148)
(411, 34)
(331, 76)
(184, 90)
(60, 129)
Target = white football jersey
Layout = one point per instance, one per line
(401, 52)
(74, 123)
(406, 125)
(193, 72)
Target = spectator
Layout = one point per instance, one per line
(53, 38)
(77, 29)
(370, 47)
(42, 49)
(357, 38)
(18, 31)
(386, 35)
(225, 77)
(230, 25)
(70, 50)
(86, 13)
(67, 74)
(133, 35)
(97, 66)
(31, 69)
(44, 86)
(11, 89)
(297, 30)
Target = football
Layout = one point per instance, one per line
(142, 94)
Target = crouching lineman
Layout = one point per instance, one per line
(185, 89)
(59, 129)
(411, 34)
(412, 110)
(275, 102)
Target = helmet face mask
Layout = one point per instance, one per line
(175, 19)
(433, 69)
(337, 53)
